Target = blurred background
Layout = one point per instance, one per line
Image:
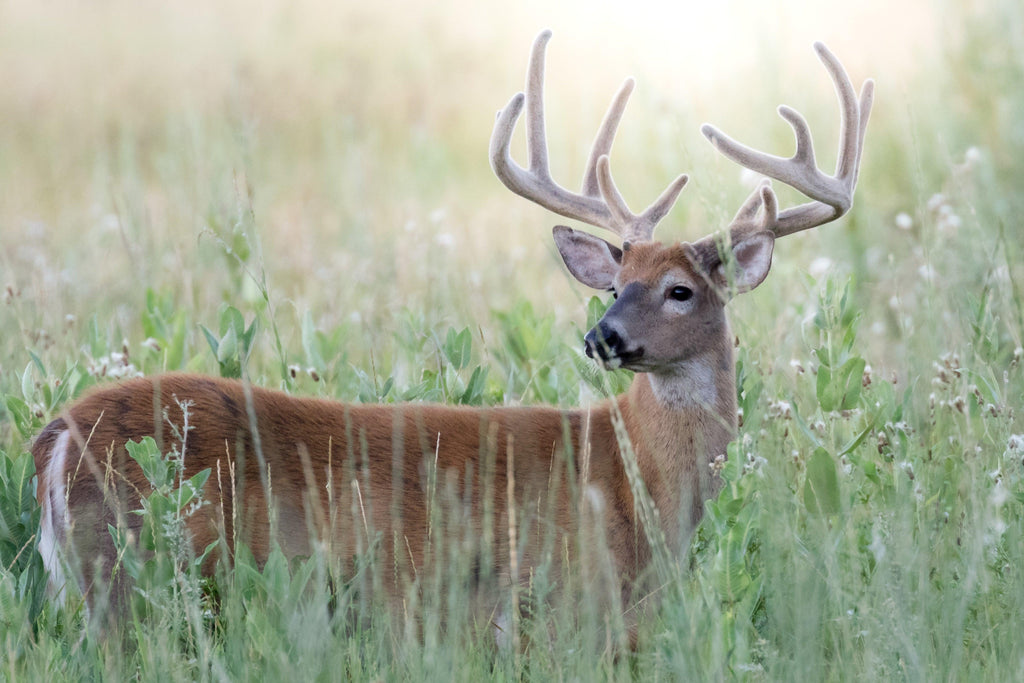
(329, 159)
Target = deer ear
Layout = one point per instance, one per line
(753, 259)
(746, 264)
(590, 259)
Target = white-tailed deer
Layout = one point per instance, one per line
(523, 473)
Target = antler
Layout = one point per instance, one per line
(600, 203)
(832, 195)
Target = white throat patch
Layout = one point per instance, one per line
(691, 386)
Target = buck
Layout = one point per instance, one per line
(293, 472)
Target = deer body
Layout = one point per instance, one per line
(295, 472)
(373, 457)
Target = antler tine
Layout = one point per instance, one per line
(832, 195)
(600, 203)
(605, 137)
(536, 131)
(636, 227)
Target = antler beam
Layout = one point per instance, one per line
(600, 204)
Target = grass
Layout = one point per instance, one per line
(335, 194)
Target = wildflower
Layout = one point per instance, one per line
(820, 267)
(115, 366)
(749, 178)
(780, 410)
(907, 468)
(904, 221)
(936, 201)
(753, 463)
(948, 221)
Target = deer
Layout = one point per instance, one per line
(299, 473)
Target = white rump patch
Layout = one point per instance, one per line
(54, 516)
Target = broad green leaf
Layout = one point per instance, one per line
(821, 487)
(457, 347)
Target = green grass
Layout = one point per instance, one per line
(276, 191)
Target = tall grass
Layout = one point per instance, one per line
(295, 174)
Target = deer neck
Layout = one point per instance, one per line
(679, 421)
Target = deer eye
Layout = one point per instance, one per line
(615, 293)
(680, 293)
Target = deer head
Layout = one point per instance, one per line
(670, 298)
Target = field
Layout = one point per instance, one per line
(175, 176)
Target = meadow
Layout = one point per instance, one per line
(299, 192)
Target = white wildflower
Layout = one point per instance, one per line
(904, 221)
(780, 410)
(907, 468)
(820, 267)
(754, 463)
(115, 366)
(749, 178)
(936, 201)
(949, 221)
(110, 223)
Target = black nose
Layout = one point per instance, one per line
(604, 341)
